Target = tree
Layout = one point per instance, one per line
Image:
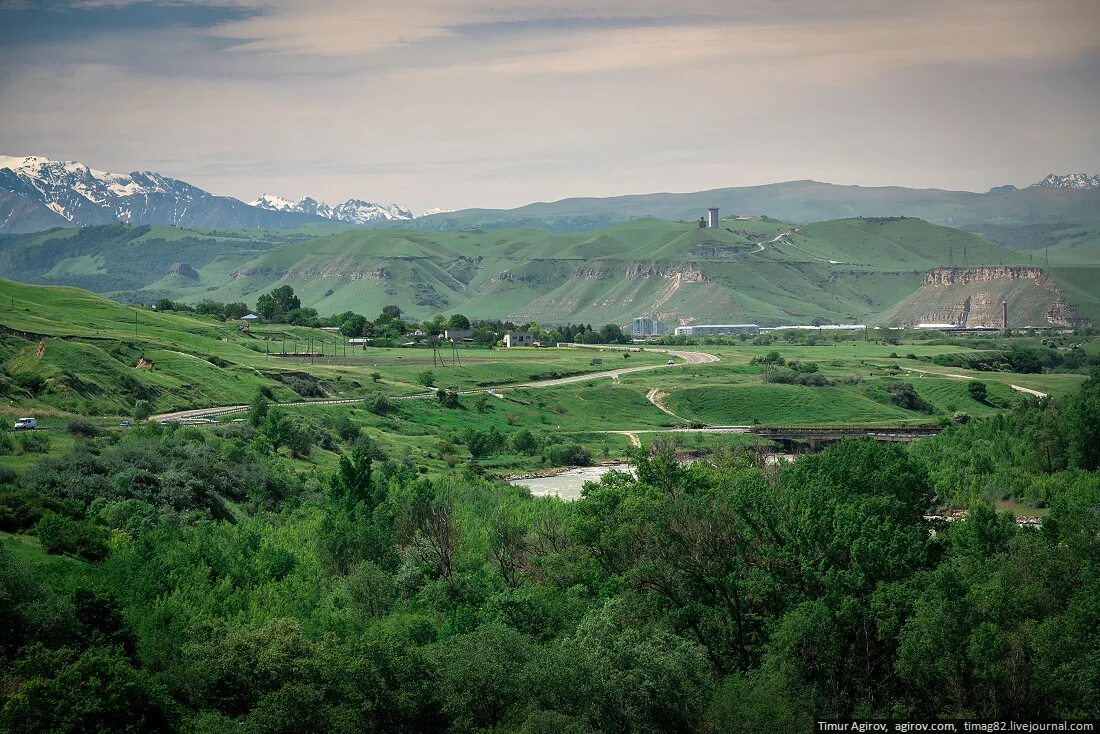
(99, 693)
(426, 378)
(258, 411)
(353, 325)
(458, 321)
(277, 303)
(978, 391)
(352, 481)
(389, 313)
(142, 409)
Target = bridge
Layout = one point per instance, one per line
(818, 435)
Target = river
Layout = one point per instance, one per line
(568, 484)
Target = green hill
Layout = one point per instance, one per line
(748, 270)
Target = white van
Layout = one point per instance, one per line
(26, 424)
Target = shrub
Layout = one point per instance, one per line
(142, 410)
(378, 404)
(904, 395)
(34, 443)
(567, 454)
(978, 391)
(426, 378)
(346, 428)
(448, 398)
(525, 442)
(483, 443)
(83, 428)
(63, 535)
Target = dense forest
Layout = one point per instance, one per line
(198, 585)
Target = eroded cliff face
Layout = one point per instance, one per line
(971, 297)
(986, 274)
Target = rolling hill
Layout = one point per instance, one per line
(799, 202)
(748, 270)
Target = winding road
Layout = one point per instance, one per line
(688, 357)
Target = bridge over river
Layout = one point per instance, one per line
(818, 435)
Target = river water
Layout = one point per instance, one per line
(568, 484)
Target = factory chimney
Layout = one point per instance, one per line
(1004, 315)
(712, 217)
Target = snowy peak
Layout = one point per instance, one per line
(38, 193)
(1069, 181)
(273, 203)
(361, 212)
(352, 211)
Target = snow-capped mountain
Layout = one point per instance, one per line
(352, 211)
(37, 193)
(429, 212)
(1069, 181)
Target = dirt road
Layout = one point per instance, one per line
(688, 357)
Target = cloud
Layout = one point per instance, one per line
(470, 102)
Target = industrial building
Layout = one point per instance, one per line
(712, 217)
(715, 329)
(645, 326)
(821, 327)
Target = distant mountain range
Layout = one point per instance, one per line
(1069, 200)
(37, 193)
(352, 211)
(1069, 181)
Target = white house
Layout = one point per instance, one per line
(519, 339)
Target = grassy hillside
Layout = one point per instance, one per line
(749, 269)
(64, 350)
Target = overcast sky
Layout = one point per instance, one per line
(458, 103)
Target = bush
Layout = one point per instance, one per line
(567, 454)
(83, 428)
(794, 377)
(63, 535)
(426, 378)
(524, 442)
(978, 391)
(904, 395)
(142, 410)
(346, 428)
(378, 404)
(34, 443)
(448, 398)
(483, 443)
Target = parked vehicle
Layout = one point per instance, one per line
(26, 424)
(671, 361)
(124, 424)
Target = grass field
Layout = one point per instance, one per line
(68, 353)
(86, 349)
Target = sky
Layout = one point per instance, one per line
(489, 103)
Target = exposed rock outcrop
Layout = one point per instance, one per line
(953, 276)
(972, 297)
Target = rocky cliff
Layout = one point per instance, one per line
(972, 297)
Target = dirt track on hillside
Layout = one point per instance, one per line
(687, 357)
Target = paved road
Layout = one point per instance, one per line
(687, 357)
